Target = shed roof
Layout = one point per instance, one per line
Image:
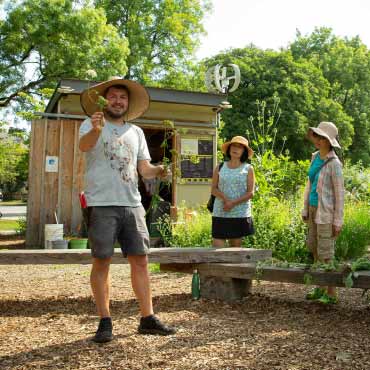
(75, 87)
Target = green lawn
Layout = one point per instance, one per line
(8, 225)
(13, 203)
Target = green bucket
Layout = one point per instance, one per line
(78, 243)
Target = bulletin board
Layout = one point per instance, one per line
(197, 159)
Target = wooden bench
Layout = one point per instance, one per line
(156, 255)
(226, 273)
(165, 256)
(232, 281)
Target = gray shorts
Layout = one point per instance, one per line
(126, 225)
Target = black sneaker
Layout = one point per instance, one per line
(152, 325)
(104, 332)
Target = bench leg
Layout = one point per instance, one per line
(226, 289)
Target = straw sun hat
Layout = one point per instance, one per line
(327, 130)
(138, 97)
(237, 140)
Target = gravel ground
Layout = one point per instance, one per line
(48, 318)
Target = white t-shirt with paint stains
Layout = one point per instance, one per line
(111, 177)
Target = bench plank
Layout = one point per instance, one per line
(247, 271)
(156, 255)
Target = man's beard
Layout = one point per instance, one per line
(115, 115)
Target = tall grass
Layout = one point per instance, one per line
(6, 225)
(354, 239)
(278, 227)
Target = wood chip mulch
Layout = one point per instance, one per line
(48, 318)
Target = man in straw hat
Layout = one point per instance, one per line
(116, 151)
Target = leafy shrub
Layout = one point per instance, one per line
(21, 226)
(278, 175)
(357, 182)
(279, 227)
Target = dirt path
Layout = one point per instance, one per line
(47, 320)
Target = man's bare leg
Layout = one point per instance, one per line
(141, 283)
(100, 285)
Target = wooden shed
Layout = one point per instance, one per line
(57, 166)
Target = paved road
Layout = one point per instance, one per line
(13, 212)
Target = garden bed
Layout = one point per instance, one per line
(48, 319)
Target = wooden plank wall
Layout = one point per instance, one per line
(54, 192)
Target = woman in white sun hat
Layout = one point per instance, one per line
(324, 201)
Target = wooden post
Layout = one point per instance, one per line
(175, 166)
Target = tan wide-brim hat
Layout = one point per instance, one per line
(237, 140)
(327, 130)
(138, 97)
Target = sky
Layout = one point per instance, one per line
(271, 24)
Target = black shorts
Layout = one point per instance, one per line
(231, 228)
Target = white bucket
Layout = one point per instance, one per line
(53, 232)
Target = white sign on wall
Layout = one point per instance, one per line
(51, 164)
(189, 146)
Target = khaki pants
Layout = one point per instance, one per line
(320, 237)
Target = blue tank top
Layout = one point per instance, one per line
(233, 183)
(313, 174)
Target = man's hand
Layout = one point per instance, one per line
(89, 140)
(97, 121)
(164, 172)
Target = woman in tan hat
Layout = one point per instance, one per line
(324, 201)
(233, 187)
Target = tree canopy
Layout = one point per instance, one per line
(42, 41)
(304, 97)
(162, 34)
(13, 158)
(344, 63)
(317, 77)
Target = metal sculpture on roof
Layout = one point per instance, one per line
(217, 80)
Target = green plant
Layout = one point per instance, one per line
(259, 271)
(308, 279)
(278, 175)
(262, 130)
(154, 268)
(100, 101)
(362, 263)
(195, 232)
(21, 226)
(169, 132)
